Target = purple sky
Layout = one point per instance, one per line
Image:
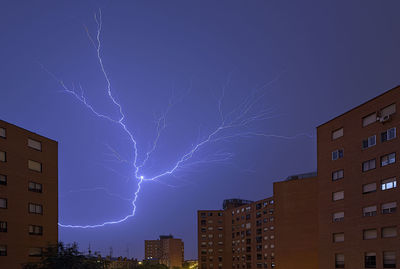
(323, 59)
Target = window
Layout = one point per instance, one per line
(337, 175)
(339, 195)
(389, 259)
(388, 159)
(36, 166)
(3, 157)
(337, 154)
(210, 214)
(388, 134)
(3, 203)
(370, 234)
(369, 165)
(35, 208)
(387, 111)
(3, 180)
(3, 250)
(34, 144)
(3, 226)
(220, 214)
(203, 215)
(338, 216)
(389, 208)
(338, 237)
(339, 260)
(338, 133)
(37, 187)
(368, 188)
(369, 142)
(388, 184)
(35, 252)
(369, 119)
(369, 211)
(388, 232)
(37, 230)
(370, 260)
(2, 132)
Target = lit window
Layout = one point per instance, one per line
(389, 208)
(388, 232)
(34, 144)
(3, 250)
(369, 119)
(35, 208)
(369, 142)
(338, 216)
(2, 132)
(35, 187)
(388, 184)
(368, 188)
(370, 260)
(339, 260)
(36, 166)
(388, 159)
(3, 157)
(336, 134)
(35, 230)
(368, 165)
(35, 252)
(338, 237)
(388, 134)
(369, 211)
(337, 154)
(3, 203)
(3, 180)
(3, 226)
(370, 234)
(337, 174)
(339, 195)
(389, 259)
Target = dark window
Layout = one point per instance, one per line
(3, 226)
(370, 260)
(35, 230)
(35, 187)
(3, 180)
(3, 250)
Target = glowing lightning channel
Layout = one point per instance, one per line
(237, 119)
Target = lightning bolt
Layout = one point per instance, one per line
(232, 125)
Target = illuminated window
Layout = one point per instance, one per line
(388, 184)
(337, 154)
(369, 165)
(36, 166)
(388, 159)
(34, 144)
(388, 134)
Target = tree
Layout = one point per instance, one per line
(62, 256)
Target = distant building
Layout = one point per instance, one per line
(28, 195)
(167, 250)
(343, 216)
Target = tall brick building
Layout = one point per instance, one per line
(344, 216)
(167, 250)
(28, 195)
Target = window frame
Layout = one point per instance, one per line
(4, 132)
(388, 159)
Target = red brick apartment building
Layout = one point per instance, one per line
(167, 250)
(345, 216)
(28, 195)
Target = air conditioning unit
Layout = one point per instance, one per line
(384, 118)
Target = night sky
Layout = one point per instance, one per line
(310, 61)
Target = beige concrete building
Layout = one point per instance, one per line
(167, 250)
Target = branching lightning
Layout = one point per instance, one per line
(232, 125)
